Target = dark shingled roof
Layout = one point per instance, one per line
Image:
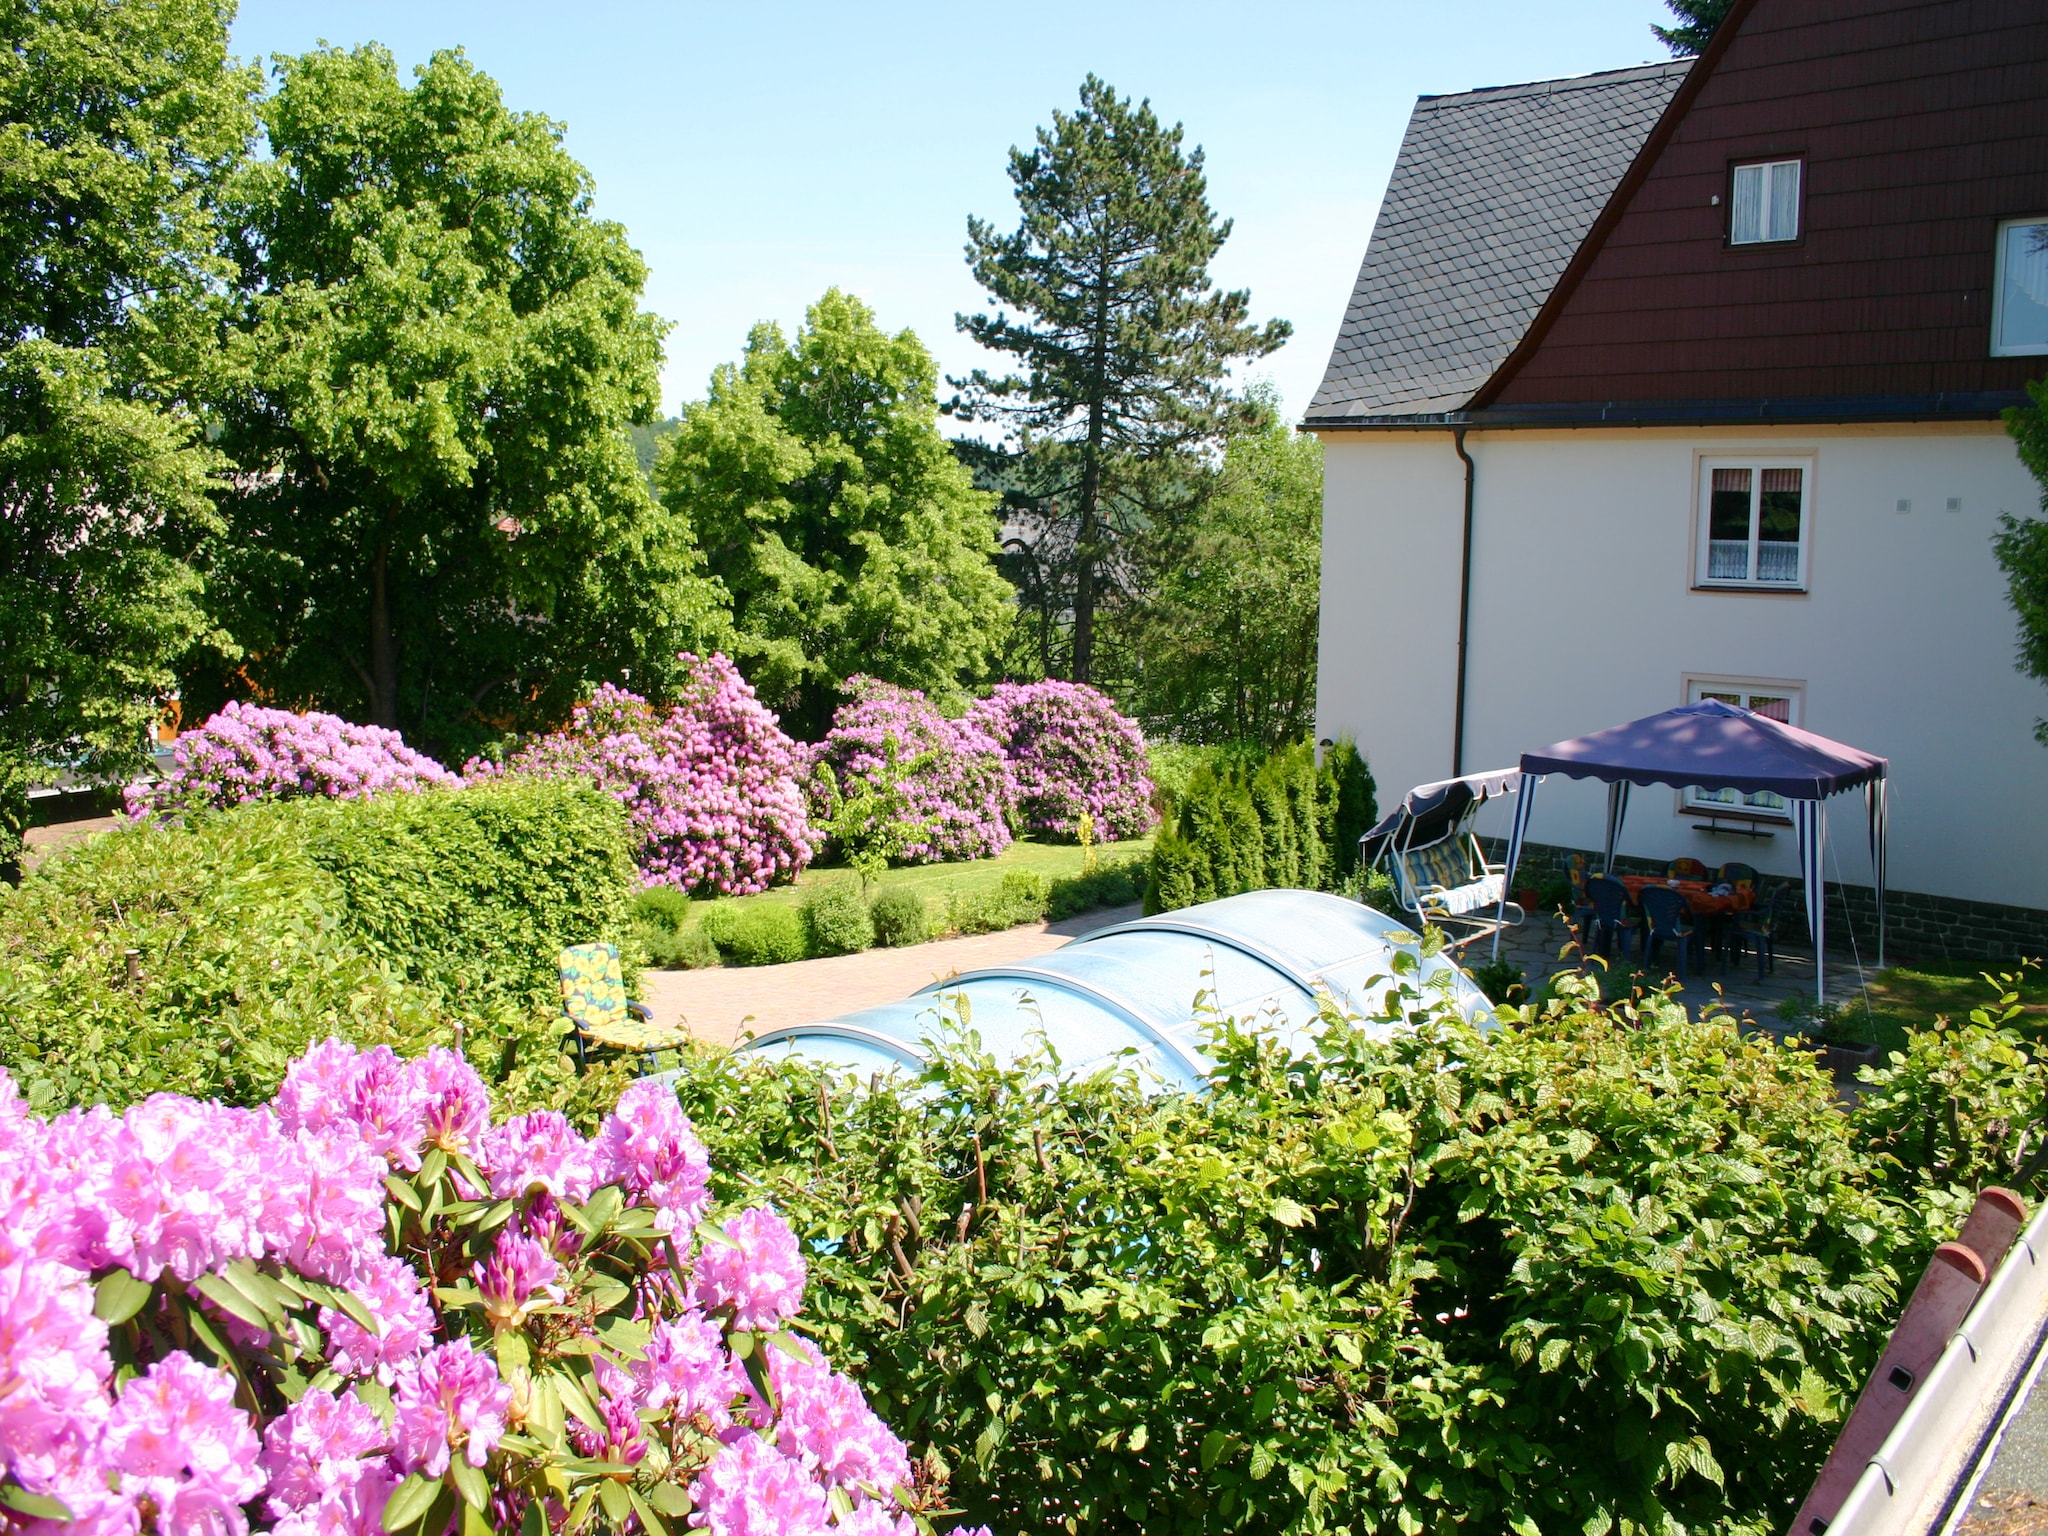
(1491, 195)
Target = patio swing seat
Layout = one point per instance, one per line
(1449, 883)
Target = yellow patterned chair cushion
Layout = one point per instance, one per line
(594, 997)
(1442, 881)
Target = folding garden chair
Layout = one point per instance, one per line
(594, 998)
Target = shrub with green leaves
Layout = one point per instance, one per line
(757, 933)
(836, 920)
(1020, 897)
(900, 917)
(1111, 885)
(1601, 1272)
(259, 930)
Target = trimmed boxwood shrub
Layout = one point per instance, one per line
(1021, 897)
(757, 933)
(900, 917)
(259, 930)
(836, 920)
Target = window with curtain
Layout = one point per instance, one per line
(1764, 203)
(1753, 523)
(1774, 701)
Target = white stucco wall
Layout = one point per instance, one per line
(1584, 616)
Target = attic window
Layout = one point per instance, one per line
(2019, 312)
(1765, 203)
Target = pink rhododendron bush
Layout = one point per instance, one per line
(952, 779)
(249, 753)
(1070, 751)
(714, 787)
(364, 1308)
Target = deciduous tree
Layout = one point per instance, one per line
(849, 536)
(1123, 343)
(440, 524)
(117, 123)
(2022, 545)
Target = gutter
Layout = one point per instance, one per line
(1464, 605)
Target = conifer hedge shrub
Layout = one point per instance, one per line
(1607, 1271)
(258, 930)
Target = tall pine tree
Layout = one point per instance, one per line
(1123, 343)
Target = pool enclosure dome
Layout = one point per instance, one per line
(1145, 987)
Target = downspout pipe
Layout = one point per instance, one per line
(1464, 607)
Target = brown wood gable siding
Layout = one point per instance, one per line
(1922, 124)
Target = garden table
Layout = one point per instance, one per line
(1699, 894)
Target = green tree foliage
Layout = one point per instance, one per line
(846, 532)
(439, 522)
(1597, 1272)
(2021, 545)
(1698, 20)
(1122, 342)
(1258, 822)
(117, 123)
(1226, 624)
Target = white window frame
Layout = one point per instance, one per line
(1770, 173)
(1998, 347)
(1695, 801)
(1703, 515)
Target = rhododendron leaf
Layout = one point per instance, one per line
(575, 1400)
(498, 1214)
(512, 1352)
(410, 1500)
(463, 1295)
(533, 1522)
(649, 1520)
(545, 1414)
(475, 1523)
(469, 1482)
(403, 1192)
(580, 1510)
(624, 1335)
(376, 1397)
(669, 1499)
(604, 1296)
(756, 1365)
(432, 1166)
(118, 1297)
(790, 1345)
(205, 1332)
(741, 1343)
(603, 1208)
(341, 1297)
(35, 1505)
(614, 1500)
(713, 1232)
(264, 1297)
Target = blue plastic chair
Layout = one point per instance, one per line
(1582, 904)
(1611, 916)
(1758, 927)
(1668, 917)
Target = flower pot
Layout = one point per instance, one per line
(1845, 1060)
(1529, 899)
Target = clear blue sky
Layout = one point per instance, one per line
(759, 153)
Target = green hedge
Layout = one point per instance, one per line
(1247, 824)
(260, 930)
(1599, 1272)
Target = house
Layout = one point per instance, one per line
(1684, 381)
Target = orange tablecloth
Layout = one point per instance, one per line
(1698, 894)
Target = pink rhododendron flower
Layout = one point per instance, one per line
(686, 1371)
(247, 753)
(405, 1322)
(319, 1445)
(954, 776)
(177, 1439)
(538, 1151)
(544, 1222)
(713, 786)
(748, 1489)
(826, 1423)
(455, 1107)
(53, 1354)
(448, 1399)
(518, 1276)
(622, 1440)
(647, 1146)
(758, 1277)
(1070, 751)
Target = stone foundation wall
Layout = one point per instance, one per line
(1918, 926)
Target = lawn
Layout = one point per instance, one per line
(1917, 994)
(940, 883)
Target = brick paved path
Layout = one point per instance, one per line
(721, 1003)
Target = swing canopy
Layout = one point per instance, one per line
(1713, 745)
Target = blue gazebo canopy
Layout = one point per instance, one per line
(1713, 745)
